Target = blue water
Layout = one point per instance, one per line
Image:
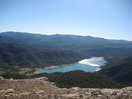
(89, 65)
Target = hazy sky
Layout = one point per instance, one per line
(100, 18)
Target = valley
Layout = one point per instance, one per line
(21, 54)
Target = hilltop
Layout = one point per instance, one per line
(40, 88)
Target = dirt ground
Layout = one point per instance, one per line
(40, 88)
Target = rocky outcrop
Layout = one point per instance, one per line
(40, 88)
(1, 78)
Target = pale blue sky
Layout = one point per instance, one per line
(100, 18)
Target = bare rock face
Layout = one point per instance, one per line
(1, 78)
(42, 78)
(9, 91)
(40, 88)
(96, 93)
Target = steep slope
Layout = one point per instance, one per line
(16, 55)
(121, 71)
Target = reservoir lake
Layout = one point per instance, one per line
(88, 65)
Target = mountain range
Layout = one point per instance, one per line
(18, 49)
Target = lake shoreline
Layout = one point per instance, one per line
(48, 68)
(56, 66)
(92, 64)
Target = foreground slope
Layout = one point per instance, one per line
(40, 88)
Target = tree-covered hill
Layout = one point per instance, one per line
(12, 55)
(120, 71)
(82, 79)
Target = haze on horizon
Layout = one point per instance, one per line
(110, 19)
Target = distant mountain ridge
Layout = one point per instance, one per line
(61, 41)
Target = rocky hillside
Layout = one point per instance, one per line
(40, 88)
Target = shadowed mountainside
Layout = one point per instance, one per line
(121, 71)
